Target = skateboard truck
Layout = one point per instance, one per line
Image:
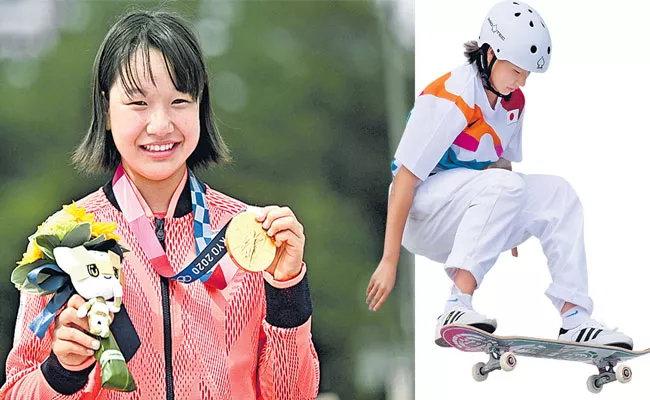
(506, 362)
(607, 375)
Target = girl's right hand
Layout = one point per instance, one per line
(381, 284)
(71, 344)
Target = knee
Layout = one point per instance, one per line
(509, 183)
(562, 190)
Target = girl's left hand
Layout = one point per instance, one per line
(282, 225)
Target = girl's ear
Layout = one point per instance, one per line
(107, 113)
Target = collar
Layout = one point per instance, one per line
(183, 206)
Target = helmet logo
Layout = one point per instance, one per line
(495, 29)
(540, 63)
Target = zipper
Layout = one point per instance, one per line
(167, 321)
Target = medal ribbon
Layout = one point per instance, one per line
(209, 249)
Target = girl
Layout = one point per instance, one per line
(454, 197)
(238, 335)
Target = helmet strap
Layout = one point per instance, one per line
(485, 70)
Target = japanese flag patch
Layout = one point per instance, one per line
(512, 116)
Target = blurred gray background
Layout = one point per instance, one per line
(311, 96)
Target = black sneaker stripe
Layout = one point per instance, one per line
(453, 316)
(597, 333)
(449, 317)
(582, 333)
(460, 314)
(589, 334)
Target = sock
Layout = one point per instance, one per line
(458, 298)
(574, 317)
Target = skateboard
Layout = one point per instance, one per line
(503, 352)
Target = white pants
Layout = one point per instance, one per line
(465, 218)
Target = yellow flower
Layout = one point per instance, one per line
(103, 228)
(79, 213)
(32, 254)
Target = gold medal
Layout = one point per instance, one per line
(248, 244)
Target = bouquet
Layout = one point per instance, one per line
(72, 253)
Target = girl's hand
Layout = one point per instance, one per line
(281, 224)
(381, 284)
(502, 164)
(70, 342)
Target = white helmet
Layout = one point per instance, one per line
(517, 33)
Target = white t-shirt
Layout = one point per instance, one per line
(452, 125)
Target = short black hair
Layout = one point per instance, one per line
(141, 31)
(472, 51)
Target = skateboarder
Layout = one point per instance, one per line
(454, 198)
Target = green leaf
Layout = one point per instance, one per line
(98, 240)
(77, 236)
(47, 243)
(19, 274)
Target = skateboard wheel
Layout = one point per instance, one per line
(508, 361)
(477, 374)
(592, 385)
(623, 373)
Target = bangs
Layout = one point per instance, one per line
(125, 54)
(182, 57)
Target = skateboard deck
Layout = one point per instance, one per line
(503, 349)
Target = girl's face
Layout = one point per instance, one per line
(154, 131)
(506, 77)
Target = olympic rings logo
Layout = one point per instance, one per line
(184, 279)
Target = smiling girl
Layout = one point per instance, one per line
(230, 335)
(454, 198)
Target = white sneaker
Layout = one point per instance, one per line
(593, 332)
(464, 316)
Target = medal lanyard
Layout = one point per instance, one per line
(209, 249)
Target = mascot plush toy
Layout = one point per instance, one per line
(95, 276)
(71, 253)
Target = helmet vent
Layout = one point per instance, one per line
(549, 50)
(514, 2)
(530, 11)
(542, 24)
(517, 14)
(533, 49)
(531, 24)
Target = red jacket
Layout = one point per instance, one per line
(251, 340)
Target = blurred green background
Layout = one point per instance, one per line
(311, 97)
